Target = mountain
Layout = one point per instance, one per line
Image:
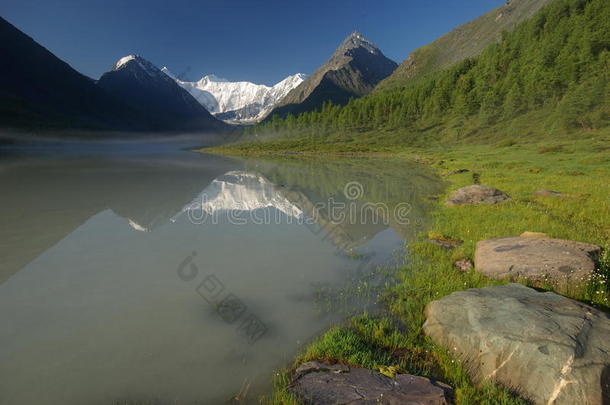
(40, 91)
(352, 71)
(466, 41)
(239, 102)
(146, 88)
(547, 78)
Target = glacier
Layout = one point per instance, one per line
(238, 102)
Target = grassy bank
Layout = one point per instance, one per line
(578, 167)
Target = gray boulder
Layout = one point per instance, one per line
(477, 194)
(320, 384)
(550, 349)
(556, 260)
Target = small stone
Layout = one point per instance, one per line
(458, 171)
(446, 243)
(463, 265)
(534, 235)
(476, 194)
(321, 384)
(547, 193)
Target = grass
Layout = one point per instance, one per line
(578, 167)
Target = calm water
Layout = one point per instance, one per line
(151, 274)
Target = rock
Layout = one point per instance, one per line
(463, 265)
(458, 171)
(535, 258)
(446, 243)
(477, 194)
(550, 349)
(528, 234)
(320, 384)
(547, 193)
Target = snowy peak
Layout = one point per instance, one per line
(357, 40)
(213, 78)
(123, 61)
(238, 102)
(136, 63)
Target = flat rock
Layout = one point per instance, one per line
(547, 193)
(550, 349)
(528, 234)
(320, 384)
(477, 194)
(535, 258)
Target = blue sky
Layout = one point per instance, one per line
(259, 41)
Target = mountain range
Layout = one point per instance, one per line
(38, 90)
(238, 102)
(165, 105)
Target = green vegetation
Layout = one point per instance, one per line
(530, 112)
(579, 169)
(466, 41)
(547, 79)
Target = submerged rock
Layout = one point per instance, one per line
(536, 258)
(321, 384)
(550, 349)
(477, 194)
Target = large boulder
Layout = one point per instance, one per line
(477, 194)
(550, 349)
(321, 384)
(554, 260)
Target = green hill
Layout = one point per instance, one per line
(466, 41)
(549, 77)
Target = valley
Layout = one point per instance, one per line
(434, 231)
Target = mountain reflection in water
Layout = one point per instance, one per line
(94, 308)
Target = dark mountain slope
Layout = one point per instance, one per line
(40, 91)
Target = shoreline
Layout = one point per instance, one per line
(575, 168)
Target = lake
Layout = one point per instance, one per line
(134, 274)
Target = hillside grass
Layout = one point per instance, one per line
(578, 167)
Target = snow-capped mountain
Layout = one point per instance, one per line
(240, 102)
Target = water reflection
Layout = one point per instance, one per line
(95, 301)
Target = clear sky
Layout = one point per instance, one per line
(256, 40)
